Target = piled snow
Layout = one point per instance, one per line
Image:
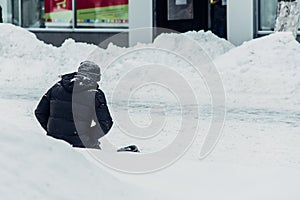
(22, 51)
(261, 136)
(20, 43)
(212, 44)
(264, 71)
(25, 61)
(34, 166)
(209, 42)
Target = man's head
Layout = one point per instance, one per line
(89, 70)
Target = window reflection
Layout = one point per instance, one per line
(102, 13)
(32, 13)
(267, 14)
(58, 13)
(13, 14)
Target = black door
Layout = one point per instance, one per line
(181, 15)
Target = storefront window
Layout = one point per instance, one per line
(180, 9)
(60, 13)
(10, 11)
(32, 13)
(267, 14)
(102, 13)
(46, 13)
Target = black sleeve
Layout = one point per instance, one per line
(42, 111)
(102, 112)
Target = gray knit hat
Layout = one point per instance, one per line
(89, 70)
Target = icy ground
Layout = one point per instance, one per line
(257, 157)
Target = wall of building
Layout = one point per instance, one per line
(4, 5)
(240, 21)
(240, 24)
(140, 15)
(140, 21)
(140, 24)
(98, 38)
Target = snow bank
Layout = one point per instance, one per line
(212, 44)
(39, 64)
(264, 72)
(209, 42)
(28, 65)
(34, 166)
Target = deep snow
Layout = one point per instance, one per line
(258, 156)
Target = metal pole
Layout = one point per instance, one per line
(74, 21)
(20, 13)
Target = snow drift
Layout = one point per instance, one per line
(261, 79)
(264, 71)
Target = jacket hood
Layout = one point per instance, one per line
(66, 81)
(69, 80)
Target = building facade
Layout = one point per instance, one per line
(95, 20)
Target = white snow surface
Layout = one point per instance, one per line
(265, 71)
(257, 157)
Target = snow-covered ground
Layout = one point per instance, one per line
(257, 157)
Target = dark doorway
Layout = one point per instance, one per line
(181, 15)
(218, 10)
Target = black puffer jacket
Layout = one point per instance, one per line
(55, 114)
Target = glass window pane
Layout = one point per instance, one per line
(58, 13)
(267, 14)
(180, 9)
(102, 13)
(1, 18)
(31, 13)
(4, 11)
(10, 11)
(47, 13)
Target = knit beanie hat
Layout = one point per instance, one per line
(89, 70)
